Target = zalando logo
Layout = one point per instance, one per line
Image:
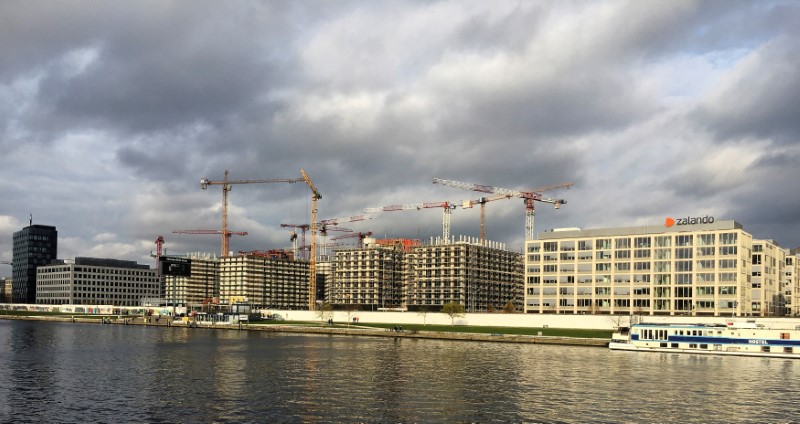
(689, 220)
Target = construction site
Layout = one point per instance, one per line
(348, 270)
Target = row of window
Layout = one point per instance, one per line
(637, 242)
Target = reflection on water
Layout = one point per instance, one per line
(82, 373)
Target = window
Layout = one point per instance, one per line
(603, 244)
(727, 238)
(705, 251)
(622, 243)
(683, 240)
(706, 239)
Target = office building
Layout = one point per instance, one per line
(95, 281)
(791, 282)
(34, 246)
(691, 266)
(767, 294)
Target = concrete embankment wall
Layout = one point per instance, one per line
(589, 322)
(330, 331)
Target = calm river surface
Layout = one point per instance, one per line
(64, 372)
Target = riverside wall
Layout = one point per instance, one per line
(355, 330)
(586, 322)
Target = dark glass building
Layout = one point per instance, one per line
(34, 246)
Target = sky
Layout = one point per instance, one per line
(112, 112)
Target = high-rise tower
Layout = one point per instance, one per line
(34, 245)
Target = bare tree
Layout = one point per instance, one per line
(325, 311)
(423, 310)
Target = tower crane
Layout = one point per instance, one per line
(235, 233)
(447, 207)
(361, 237)
(159, 251)
(226, 187)
(293, 238)
(324, 229)
(528, 196)
(312, 254)
(468, 204)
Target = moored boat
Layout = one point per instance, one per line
(732, 338)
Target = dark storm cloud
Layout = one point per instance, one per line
(762, 100)
(374, 100)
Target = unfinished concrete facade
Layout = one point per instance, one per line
(264, 282)
(369, 278)
(482, 276)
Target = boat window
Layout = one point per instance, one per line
(785, 336)
(674, 345)
(765, 348)
(692, 345)
(703, 346)
(787, 350)
(663, 344)
(694, 332)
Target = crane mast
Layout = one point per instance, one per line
(312, 260)
(226, 187)
(528, 196)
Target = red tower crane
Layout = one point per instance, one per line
(229, 233)
(226, 187)
(361, 237)
(528, 196)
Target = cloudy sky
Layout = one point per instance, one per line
(111, 112)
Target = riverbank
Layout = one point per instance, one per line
(336, 330)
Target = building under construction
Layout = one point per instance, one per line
(482, 276)
(264, 281)
(372, 278)
(200, 287)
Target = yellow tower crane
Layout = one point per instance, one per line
(226, 187)
(312, 254)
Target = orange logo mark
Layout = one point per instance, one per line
(670, 222)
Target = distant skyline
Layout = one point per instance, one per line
(111, 113)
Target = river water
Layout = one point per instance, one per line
(64, 372)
